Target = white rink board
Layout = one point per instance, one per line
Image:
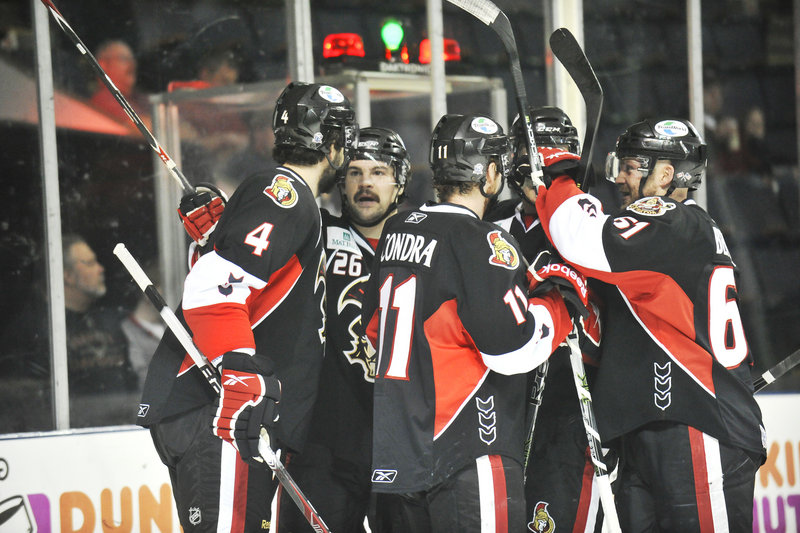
(776, 504)
(73, 482)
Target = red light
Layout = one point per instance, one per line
(343, 44)
(452, 51)
(404, 57)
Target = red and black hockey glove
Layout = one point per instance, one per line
(199, 213)
(248, 401)
(547, 272)
(558, 162)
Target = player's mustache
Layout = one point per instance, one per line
(366, 195)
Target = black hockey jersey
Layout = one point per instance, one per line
(684, 357)
(455, 333)
(261, 289)
(343, 414)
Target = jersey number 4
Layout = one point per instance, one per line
(259, 238)
(401, 300)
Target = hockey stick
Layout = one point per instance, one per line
(777, 371)
(492, 16)
(166, 159)
(212, 376)
(535, 401)
(571, 55)
(590, 424)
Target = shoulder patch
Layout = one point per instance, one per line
(652, 206)
(341, 239)
(282, 192)
(503, 252)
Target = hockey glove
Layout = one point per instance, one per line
(546, 273)
(557, 162)
(199, 213)
(248, 401)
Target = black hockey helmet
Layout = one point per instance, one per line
(308, 114)
(551, 127)
(676, 140)
(382, 144)
(462, 146)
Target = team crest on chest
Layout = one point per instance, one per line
(651, 207)
(542, 522)
(281, 191)
(503, 253)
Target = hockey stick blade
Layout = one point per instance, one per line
(777, 371)
(492, 16)
(566, 48)
(212, 376)
(172, 168)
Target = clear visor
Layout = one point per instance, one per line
(616, 165)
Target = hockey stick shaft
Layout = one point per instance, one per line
(537, 390)
(492, 16)
(566, 48)
(212, 376)
(777, 371)
(172, 167)
(593, 436)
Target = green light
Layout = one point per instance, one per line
(392, 34)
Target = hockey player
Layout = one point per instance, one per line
(334, 470)
(456, 333)
(674, 392)
(559, 475)
(255, 305)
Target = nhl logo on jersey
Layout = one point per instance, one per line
(503, 253)
(651, 207)
(282, 192)
(542, 522)
(194, 516)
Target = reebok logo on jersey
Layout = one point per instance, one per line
(409, 248)
(383, 476)
(143, 409)
(282, 192)
(503, 253)
(651, 207)
(416, 217)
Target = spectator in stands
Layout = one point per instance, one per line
(117, 60)
(258, 153)
(102, 383)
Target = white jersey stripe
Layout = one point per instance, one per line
(719, 512)
(486, 494)
(227, 485)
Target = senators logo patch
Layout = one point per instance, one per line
(542, 521)
(651, 207)
(503, 253)
(282, 192)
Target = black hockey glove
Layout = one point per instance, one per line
(199, 212)
(248, 401)
(557, 162)
(547, 272)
